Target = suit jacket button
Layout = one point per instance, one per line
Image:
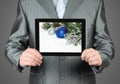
(62, 76)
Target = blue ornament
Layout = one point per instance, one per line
(61, 31)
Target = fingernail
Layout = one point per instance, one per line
(38, 64)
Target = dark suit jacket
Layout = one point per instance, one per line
(61, 69)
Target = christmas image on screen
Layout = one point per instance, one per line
(60, 36)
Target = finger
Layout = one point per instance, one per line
(35, 53)
(85, 52)
(31, 55)
(32, 60)
(89, 56)
(93, 63)
(28, 63)
(41, 57)
(92, 59)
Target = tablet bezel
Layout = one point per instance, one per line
(38, 20)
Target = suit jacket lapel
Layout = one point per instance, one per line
(49, 7)
(72, 8)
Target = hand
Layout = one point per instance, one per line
(30, 57)
(91, 56)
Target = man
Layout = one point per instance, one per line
(60, 69)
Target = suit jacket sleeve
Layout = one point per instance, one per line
(102, 41)
(18, 40)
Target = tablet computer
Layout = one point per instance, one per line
(60, 37)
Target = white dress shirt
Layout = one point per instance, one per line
(65, 2)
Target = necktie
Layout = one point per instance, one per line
(60, 8)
